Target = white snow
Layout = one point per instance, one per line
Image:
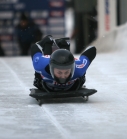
(104, 116)
(113, 41)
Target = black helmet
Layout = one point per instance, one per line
(62, 59)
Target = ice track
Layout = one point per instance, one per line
(104, 116)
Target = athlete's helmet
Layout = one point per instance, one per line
(62, 59)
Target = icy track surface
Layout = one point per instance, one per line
(104, 116)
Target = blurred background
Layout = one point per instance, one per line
(23, 22)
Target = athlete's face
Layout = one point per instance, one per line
(59, 73)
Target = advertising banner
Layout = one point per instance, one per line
(106, 16)
(47, 14)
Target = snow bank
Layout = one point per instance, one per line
(115, 40)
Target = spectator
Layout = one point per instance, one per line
(27, 33)
(1, 51)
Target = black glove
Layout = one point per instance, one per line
(63, 43)
(46, 44)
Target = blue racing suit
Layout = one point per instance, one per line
(41, 66)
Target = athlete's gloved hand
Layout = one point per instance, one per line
(63, 43)
(47, 40)
(46, 44)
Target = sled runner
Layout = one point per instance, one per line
(39, 95)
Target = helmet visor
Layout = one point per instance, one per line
(62, 74)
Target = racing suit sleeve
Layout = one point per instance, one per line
(44, 46)
(86, 58)
(90, 53)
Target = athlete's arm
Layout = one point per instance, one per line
(44, 46)
(84, 60)
(90, 53)
(40, 52)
